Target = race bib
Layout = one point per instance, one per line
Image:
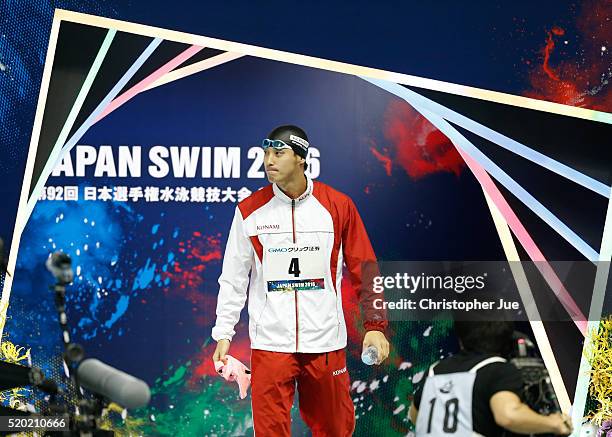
(294, 268)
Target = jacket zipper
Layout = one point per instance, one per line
(293, 218)
(295, 293)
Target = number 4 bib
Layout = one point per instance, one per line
(294, 268)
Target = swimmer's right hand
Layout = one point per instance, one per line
(221, 350)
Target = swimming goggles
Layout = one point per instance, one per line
(275, 144)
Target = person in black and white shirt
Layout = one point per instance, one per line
(476, 392)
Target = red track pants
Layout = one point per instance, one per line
(323, 388)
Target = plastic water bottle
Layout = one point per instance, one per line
(370, 356)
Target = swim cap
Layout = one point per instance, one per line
(293, 136)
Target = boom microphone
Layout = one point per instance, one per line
(113, 384)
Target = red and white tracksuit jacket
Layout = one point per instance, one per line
(294, 250)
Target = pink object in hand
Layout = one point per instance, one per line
(234, 370)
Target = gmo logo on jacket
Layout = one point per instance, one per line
(294, 249)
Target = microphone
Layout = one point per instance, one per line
(113, 384)
(60, 266)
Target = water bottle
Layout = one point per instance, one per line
(370, 355)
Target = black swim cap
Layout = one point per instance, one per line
(292, 136)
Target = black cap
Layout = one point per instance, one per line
(294, 137)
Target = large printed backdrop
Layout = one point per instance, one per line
(143, 201)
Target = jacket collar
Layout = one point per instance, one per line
(282, 196)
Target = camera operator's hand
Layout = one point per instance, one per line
(515, 416)
(221, 350)
(561, 423)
